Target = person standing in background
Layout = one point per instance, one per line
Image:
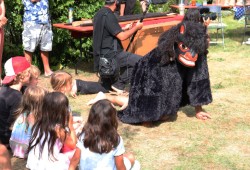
(17, 74)
(107, 37)
(120, 7)
(130, 6)
(3, 21)
(37, 31)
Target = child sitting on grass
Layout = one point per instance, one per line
(28, 113)
(17, 74)
(62, 81)
(50, 133)
(100, 146)
(34, 77)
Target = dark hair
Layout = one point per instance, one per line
(193, 14)
(100, 130)
(55, 111)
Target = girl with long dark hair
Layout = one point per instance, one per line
(100, 146)
(50, 133)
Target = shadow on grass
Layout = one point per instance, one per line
(236, 34)
(168, 118)
(129, 132)
(18, 164)
(82, 65)
(188, 110)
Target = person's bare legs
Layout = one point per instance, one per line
(28, 56)
(116, 100)
(122, 8)
(121, 101)
(45, 59)
(5, 162)
(1, 50)
(99, 96)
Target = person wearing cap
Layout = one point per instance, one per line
(107, 37)
(37, 30)
(17, 73)
(3, 21)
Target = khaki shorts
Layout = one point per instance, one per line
(37, 34)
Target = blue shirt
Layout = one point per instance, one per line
(94, 161)
(37, 12)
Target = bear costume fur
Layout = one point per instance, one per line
(160, 84)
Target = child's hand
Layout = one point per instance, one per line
(77, 123)
(73, 94)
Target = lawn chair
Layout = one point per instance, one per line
(247, 20)
(217, 24)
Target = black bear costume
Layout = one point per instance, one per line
(164, 80)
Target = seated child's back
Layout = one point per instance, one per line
(28, 112)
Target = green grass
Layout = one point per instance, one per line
(187, 143)
(221, 143)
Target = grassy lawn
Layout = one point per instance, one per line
(222, 142)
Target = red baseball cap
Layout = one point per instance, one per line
(13, 66)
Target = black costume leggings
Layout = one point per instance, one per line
(126, 62)
(89, 87)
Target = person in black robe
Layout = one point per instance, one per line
(162, 81)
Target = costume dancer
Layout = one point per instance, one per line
(172, 75)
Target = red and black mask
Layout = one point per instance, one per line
(185, 55)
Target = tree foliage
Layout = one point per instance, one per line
(65, 48)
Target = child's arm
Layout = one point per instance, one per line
(75, 159)
(119, 162)
(71, 138)
(74, 89)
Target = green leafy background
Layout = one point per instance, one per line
(65, 48)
